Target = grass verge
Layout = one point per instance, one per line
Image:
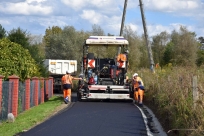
(31, 117)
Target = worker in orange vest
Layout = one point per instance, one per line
(67, 85)
(138, 87)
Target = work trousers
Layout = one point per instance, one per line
(138, 95)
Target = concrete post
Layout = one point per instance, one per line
(195, 91)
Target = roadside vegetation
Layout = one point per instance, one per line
(178, 57)
(169, 93)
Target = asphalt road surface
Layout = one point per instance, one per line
(94, 118)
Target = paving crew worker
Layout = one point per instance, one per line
(67, 85)
(138, 87)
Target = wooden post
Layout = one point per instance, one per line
(15, 80)
(195, 91)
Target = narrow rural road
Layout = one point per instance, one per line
(95, 118)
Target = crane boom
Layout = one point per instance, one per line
(147, 38)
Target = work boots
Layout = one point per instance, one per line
(66, 100)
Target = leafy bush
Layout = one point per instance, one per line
(15, 60)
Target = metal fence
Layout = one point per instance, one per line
(49, 88)
(21, 97)
(32, 92)
(8, 88)
(6, 99)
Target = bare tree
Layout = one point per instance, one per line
(97, 30)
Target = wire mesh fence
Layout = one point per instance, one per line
(21, 97)
(49, 88)
(6, 102)
(39, 92)
(36, 88)
(32, 91)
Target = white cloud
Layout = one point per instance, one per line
(97, 18)
(4, 22)
(92, 16)
(35, 1)
(172, 5)
(12, 1)
(29, 7)
(112, 29)
(37, 15)
(133, 27)
(180, 7)
(75, 4)
(52, 21)
(158, 28)
(104, 7)
(199, 31)
(78, 5)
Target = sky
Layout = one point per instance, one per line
(35, 16)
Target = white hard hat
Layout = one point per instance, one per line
(135, 75)
(68, 72)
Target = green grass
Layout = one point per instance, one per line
(31, 117)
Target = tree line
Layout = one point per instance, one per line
(23, 57)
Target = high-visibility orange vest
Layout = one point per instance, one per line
(121, 57)
(135, 82)
(65, 79)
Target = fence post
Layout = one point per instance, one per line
(35, 80)
(51, 86)
(1, 80)
(42, 84)
(46, 88)
(15, 80)
(195, 91)
(27, 94)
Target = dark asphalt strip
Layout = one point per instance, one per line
(93, 119)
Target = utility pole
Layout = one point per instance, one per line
(147, 38)
(122, 23)
(123, 18)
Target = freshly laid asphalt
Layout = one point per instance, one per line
(94, 118)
